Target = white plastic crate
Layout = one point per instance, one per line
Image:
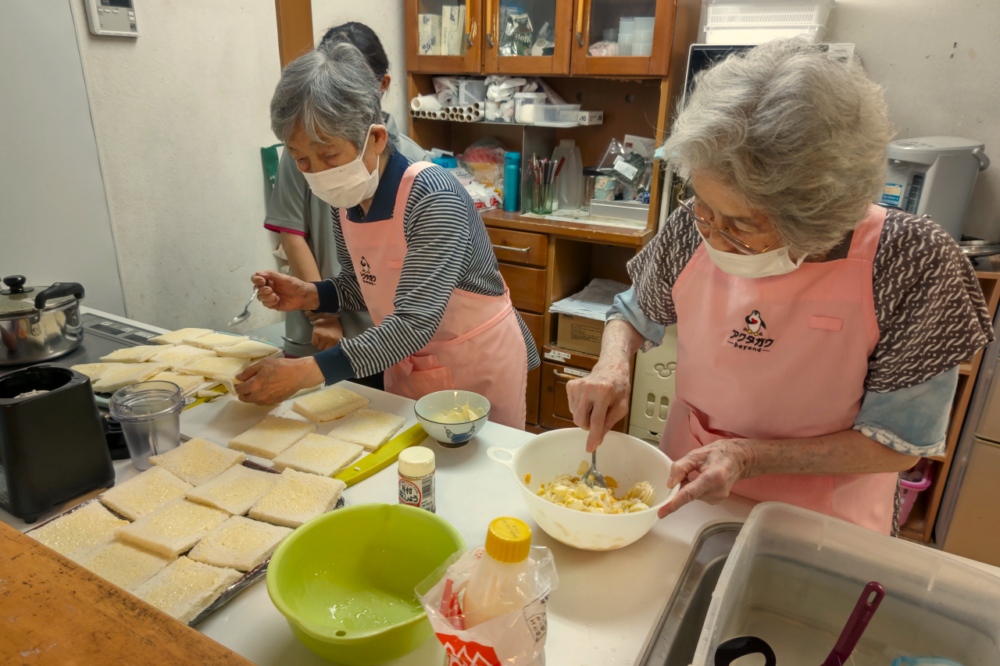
(759, 35)
(752, 22)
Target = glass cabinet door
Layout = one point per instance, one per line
(528, 36)
(443, 36)
(622, 36)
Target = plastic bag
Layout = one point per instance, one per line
(514, 639)
(517, 36)
(446, 89)
(502, 88)
(484, 160)
(603, 49)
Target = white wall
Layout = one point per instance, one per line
(385, 17)
(180, 115)
(933, 86)
(54, 223)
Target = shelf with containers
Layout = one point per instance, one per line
(548, 37)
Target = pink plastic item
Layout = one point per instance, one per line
(911, 489)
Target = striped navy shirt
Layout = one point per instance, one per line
(447, 248)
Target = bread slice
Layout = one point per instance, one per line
(235, 490)
(213, 340)
(252, 349)
(369, 428)
(239, 543)
(120, 375)
(76, 534)
(125, 565)
(186, 588)
(92, 370)
(215, 367)
(142, 495)
(187, 383)
(321, 455)
(139, 354)
(179, 336)
(271, 436)
(180, 355)
(197, 461)
(174, 528)
(296, 498)
(329, 404)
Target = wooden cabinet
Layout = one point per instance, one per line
(459, 56)
(594, 17)
(554, 411)
(519, 247)
(527, 287)
(533, 55)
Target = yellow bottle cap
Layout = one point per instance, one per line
(508, 540)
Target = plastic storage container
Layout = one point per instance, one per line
(150, 415)
(750, 23)
(557, 114)
(794, 576)
(471, 91)
(526, 107)
(910, 490)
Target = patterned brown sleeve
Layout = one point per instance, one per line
(656, 268)
(930, 310)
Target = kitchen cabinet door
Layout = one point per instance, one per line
(527, 36)
(603, 46)
(554, 408)
(444, 36)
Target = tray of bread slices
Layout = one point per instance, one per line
(199, 526)
(197, 359)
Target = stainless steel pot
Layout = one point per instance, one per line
(38, 323)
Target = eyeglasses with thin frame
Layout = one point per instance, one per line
(706, 230)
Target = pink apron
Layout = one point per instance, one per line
(781, 357)
(477, 347)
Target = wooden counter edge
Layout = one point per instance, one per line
(53, 611)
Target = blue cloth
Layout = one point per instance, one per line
(912, 420)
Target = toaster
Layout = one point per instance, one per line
(52, 443)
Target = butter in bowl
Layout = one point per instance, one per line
(452, 417)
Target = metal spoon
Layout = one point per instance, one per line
(592, 477)
(243, 316)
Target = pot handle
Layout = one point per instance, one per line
(58, 290)
(735, 648)
(494, 450)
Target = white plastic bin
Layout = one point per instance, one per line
(757, 21)
(794, 576)
(556, 113)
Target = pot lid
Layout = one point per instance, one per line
(18, 300)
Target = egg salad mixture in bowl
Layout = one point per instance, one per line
(547, 469)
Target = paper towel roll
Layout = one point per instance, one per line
(425, 103)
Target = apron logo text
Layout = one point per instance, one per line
(366, 272)
(751, 338)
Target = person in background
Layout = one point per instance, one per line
(413, 249)
(819, 336)
(305, 222)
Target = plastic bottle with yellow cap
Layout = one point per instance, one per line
(499, 584)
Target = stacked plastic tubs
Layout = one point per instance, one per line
(794, 577)
(751, 22)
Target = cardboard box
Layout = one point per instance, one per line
(580, 334)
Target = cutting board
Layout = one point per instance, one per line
(53, 611)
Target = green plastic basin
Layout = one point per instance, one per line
(345, 580)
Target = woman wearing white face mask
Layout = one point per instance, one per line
(413, 249)
(819, 336)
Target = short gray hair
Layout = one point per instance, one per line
(331, 91)
(800, 136)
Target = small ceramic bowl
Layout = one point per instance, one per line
(452, 435)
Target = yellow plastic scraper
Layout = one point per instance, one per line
(387, 454)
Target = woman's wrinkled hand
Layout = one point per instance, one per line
(599, 401)
(272, 380)
(709, 472)
(285, 293)
(327, 333)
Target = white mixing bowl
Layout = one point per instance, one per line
(451, 435)
(627, 459)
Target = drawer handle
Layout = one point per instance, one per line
(512, 249)
(563, 375)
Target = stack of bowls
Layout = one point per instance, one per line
(642, 44)
(626, 34)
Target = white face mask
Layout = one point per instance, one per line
(345, 186)
(765, 264)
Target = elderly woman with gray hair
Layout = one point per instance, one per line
(818, 336)
(414, 253)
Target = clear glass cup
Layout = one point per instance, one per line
(150, 416)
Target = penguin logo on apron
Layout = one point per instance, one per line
(366, 272)
(751, 338)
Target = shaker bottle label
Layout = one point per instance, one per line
(418, 492)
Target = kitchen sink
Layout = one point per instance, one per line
(676, 635)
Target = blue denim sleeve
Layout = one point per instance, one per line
(913, 420)
(626, 306)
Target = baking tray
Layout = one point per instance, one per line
(231, 592)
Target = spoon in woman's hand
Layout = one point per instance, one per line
(243, 316)
(592, 477)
